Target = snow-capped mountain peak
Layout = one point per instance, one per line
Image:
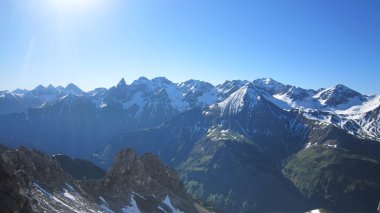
(146, 96)
(336, 95)
(269, 81)
(229, 87)
(270, 85)
(248, 95)
(194, 85)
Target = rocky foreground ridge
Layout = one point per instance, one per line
(32, 181)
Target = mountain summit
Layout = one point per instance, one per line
(338, 94)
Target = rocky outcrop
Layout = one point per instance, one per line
(32, 181)
(13, 197)
(38, 166)
(146, 176)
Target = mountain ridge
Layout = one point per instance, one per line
(260, 130)
(41, 184)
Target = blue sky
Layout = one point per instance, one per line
(92, 43)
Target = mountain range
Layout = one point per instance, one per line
(242, 146)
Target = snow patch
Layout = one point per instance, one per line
(136, 99)
(103, 200)
(137, 194)
(168, 203)
(235, 102)
(176, 98)
(133, 208)
(69, 186)
(106, 209)
(69, 195)
(46, 193)
(208, 98)
(64, 204)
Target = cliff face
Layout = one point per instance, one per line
(31, 181)
(13, 197)
(144, 178)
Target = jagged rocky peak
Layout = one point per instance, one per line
(229, 87)
(73, 89)
(337, 94)
(51, 87)
(98, 91)
(125, 160)
(121, 84)
(129, 165)
(32, 181)
(39, 88)
(144, 178)
(118, 92)
(297, 93)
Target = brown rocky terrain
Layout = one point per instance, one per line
(32, 181)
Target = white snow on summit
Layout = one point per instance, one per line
(237, 100)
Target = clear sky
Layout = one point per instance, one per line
(93, 43)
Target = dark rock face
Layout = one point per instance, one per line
(13, 197)
(147, 176)
(339, 94)
(31, 181)
(39, 166)
(299, 93)
(148, 172)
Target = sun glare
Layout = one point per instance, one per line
(70, 7)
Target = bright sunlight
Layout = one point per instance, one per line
(75, 7)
